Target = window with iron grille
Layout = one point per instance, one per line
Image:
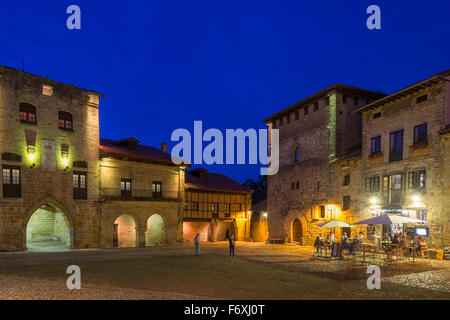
(80, 185)
(12, 185)
(420, 134)
(27, 113)
(65, 121)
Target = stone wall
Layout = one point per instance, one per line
(40, 187)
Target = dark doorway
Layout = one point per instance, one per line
(297, 231)
(116, 235)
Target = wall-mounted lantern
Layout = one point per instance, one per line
(31, 150)
(65, 156)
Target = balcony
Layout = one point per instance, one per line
(139, 195)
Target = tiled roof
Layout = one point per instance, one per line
(138, 153)
(213, 182)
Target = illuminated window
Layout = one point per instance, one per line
(416, 179)
(227, 209)
(27, 113)
(65, 120)
(238, 207)
(125, 188)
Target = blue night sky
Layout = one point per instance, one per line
(163, 64)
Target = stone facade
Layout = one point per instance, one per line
(50, 183)
(413, 181)
(57, 187)
(142, 206)
(314, 134)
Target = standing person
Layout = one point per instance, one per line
(332, 237)
(197, 244)
(231, 242)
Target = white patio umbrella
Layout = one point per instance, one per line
(389, 219)
(335, 224)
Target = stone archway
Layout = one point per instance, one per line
(48, 229)
(124, 232)
(155, 233)
(297, 231)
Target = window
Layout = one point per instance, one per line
(422, 215)
(12, 186)
(238, 207)
(27, 113)
(416, 179)
(80, 185)
(288, 118)
(11, 157)
(296, 115)
(215, 210)
(306, 110)
(420, 134)
(346, 180)
(297, 154)
(375, 145)
(227, 209)
(396, 146)
(316, 105)
(346, 201)
(422, 98)
(297, 186)
(293, 186)
(65, 120)
(395, 188)
(157, 189)
(80, 164)
(322, 211)
(194, 205)
(373, 184)
(356, 101)
(344, 99)
(377, 115)
(125, 188)
(281, 121)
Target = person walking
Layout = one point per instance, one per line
(197, 244)
(231, 242)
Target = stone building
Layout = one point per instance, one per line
(215, 206)
(317, 135)
(142, 192)
(405, 156)
(49, 148)
(259, 228)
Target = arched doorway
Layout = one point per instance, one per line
(124, 232)
(297, 231)
(155, 232)
(48, 229)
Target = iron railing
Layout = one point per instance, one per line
(139, 195)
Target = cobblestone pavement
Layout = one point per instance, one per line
(430, 278)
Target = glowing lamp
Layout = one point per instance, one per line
(373, 200)
(415, 198)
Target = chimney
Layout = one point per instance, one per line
(164, 147)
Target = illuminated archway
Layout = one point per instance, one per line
(48, 229)
(124, 232)
(155, 232)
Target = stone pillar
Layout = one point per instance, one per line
(140, 237)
